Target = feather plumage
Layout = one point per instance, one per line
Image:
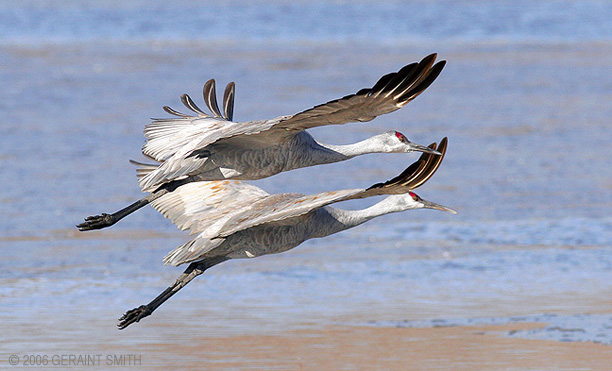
(218, 209)
(172, 141)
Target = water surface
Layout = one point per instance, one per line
(524, 100)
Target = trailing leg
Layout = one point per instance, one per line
(194, 270)
(106, 220)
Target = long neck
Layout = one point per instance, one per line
(328, 153)
(363, 147)
(345, 219)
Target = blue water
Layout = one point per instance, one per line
(524, 100)
(595, 328)
(316, 21)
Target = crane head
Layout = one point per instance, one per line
(396, 142)
(421, 203)
(411, 201)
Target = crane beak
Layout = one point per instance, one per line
(432, 205)
(424, 149)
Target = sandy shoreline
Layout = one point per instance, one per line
(375, 348)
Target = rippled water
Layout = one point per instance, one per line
(524, 100)
(289, 21)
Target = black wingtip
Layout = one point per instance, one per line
(432, 166)
(412, 172)
(425, 81)
(419, 171)
(174, 112)
(228, 101)
(429, 59)
(210, 97)
(189, 103)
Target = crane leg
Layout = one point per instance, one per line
(106, 220)
(194, 270)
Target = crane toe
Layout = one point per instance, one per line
(96, 222)
(133, 315)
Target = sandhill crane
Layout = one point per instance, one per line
(234, 220)
(205, 147)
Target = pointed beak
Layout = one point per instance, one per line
(432, 205)
(424, 149)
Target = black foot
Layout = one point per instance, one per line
(134, 315)
(96, 222)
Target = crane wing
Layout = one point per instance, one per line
(390, 93)
(198, 205)
(215, 225)
(269, 209)
(181, 143)
(218, 209)
(165, 137)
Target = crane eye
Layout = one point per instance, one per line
(401, 137)
(415, 196)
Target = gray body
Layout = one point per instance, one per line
(274, 238)
(298, 151)
(209, 147)
(234, 220)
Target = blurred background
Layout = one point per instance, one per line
(524, 99)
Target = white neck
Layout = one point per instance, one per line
(370, 145)
(328, 153)
(345, 219)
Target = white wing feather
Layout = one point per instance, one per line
(190, 251)
(172, 142)
(214, 220)
(216, 209)
(167, 137)
(279, 207)
(198, 205)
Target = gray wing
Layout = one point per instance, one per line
(267, 210)
(166, 137)
(180, 143)
(197, 206)
(215, 210)
(390, 93)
